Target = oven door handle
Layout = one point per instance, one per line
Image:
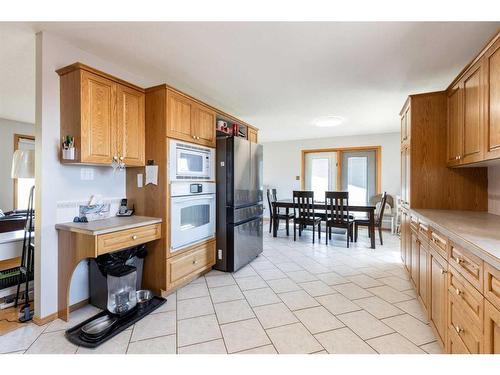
(195, 198)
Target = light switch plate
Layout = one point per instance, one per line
(140, 180)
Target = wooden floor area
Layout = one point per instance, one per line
(9, 320)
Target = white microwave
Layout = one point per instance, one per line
(190, 162)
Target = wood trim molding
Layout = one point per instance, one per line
(79, 65)
(339, 150)
(17, 137)
(49, 318)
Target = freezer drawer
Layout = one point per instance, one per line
(247, 242)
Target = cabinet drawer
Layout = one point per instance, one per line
(469, 265)
(186, 265)
(455, 343)
(127, 238)
(492, 285)
(470, 334)
(439, 243)
(414, 224)
(423, 231)
(467, 298)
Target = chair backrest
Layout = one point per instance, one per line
(337, 206)
(270, 199)
(383, 201)
(303, 202)
(273, 191)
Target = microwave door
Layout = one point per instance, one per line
(190, 163)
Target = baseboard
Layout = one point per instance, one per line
(49, 318)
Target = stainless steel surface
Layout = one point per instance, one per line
(248, 242)
(143, 295)
(99, 326)
(242, 172)
(246, 213)
(256, 168)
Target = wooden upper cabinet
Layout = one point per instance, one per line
(104, 114)
(405, 124)
(189, 121)
(491, 65)
(252, 135)
(473, 116)
(131, 138)
(203, 125)
(179, 116)
(98, 119)
(454, 136)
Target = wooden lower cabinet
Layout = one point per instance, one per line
(184, 267)
(455, 344)
(415, 262)
(438, 295)
(467, 331)
(424, 274)
(491, 329)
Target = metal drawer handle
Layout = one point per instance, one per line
(134, 237)
(443, 271)
(458, 329)
(195, 261)
(458, 291)
(459, 260)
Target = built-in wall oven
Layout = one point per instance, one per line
(192, 213)
(190, 162)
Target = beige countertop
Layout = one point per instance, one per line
(108, 225)
(478, 232)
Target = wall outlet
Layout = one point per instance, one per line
(219, 254)
(297, 178)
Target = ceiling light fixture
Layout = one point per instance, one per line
(328, 121)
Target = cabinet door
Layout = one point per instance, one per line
(438, 294)
(402, 237)
(415, 262)
(130, 124)
(405, 176)
(454, 136)
(98, 119)
(408, 177)
(491, 329)
(252, 135)
(492, 98)
(403, 128)
(203, 125)
(473, 113)
(424, 265)
(179, 117)
(408, 242)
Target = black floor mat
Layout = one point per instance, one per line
(74, 334)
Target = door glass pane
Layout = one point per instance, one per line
(357, 180)
(320, 171)
(195, 216)
(188, 162)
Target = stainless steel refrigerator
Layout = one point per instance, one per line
(239, 202)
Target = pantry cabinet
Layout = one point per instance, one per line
(189, 121)
(104, 114)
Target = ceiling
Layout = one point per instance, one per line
(277, 76)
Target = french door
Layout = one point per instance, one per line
(359, 175)
(321, 173)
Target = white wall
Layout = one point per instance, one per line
(7, 130)
(282, 160)
(56, 182)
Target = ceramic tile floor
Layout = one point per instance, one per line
(295, 298)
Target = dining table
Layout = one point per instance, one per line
(288, 204)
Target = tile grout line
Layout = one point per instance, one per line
(215, 313)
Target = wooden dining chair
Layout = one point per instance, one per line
(275, 217)
(378, 220)
(337, 214)
(303, 213)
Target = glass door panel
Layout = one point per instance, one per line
(321, 173)
(359, 175)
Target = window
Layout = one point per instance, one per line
(22, 186)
